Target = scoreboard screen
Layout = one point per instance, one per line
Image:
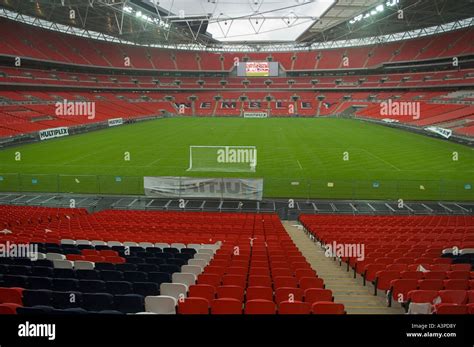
(257, 69)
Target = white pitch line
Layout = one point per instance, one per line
(153, 162)
(377, 157)
(299, 164)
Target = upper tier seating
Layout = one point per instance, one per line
(54, 46)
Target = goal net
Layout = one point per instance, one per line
(223, 158)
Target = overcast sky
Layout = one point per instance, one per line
(257, 27)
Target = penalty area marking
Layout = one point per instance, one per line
(299, 164)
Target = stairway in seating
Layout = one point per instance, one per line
(356, 298)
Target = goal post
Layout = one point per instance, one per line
(223, 158)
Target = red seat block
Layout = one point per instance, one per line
(259, 293)
(8, 308)
(296, 307)
(226, 306)
(260, 306)
(230, 291)
(205, 291)
(451, 309)
(193, 306)
(11, 296)
(311, 282)
(422, 296)
(327, 308)
(313, 295)
(453, 296)
(288, 294)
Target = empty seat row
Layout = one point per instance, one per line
(196, 305)
(89, 285)
(259, 292)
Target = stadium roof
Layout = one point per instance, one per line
(254, 24)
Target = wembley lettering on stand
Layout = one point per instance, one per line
(53, 132)
(115, 122)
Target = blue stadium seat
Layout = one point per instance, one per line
(92, 286)
(146, 288)
(148, 267)
(159, 277)
(104, 266)
(87, 275)
(37, 297)
(119, 287)
(66, 300)
(43, 271)
(126, 267)
(129, 303)
(19, 270)
(64, 273)
(97, 301)
(40, 282)
(135, 276)
(36, 310)
(111, 275)
(15, 281)
(65, 284)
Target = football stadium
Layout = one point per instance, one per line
(220, 164)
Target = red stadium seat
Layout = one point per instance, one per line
(230, 291)
(226, 306)
(114, 260)
(296, 307)
(456, 284)
(405, 275)
(400, 288)
(8, 308)
(451, 309)
(193, 306)
(236, 270)
(260, 306)
(205, 291)
(284, 281)
(281, 272)
(313, 295)
(234, 280)
(260, 281)
(288, 294)
(430, 284)
(299, 273)
(460, 275)
(311, 282)
(210, 279)
(422, 296)
(384, 278)
(259, 293)
(327, 308)
(11, 296)
(453, 296)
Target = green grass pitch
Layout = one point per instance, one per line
(298, 158)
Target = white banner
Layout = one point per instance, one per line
(52, 133)
(115, 122)
(255, 115)
(196, 187)
(446, 133)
